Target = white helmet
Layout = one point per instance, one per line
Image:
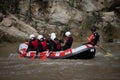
(52, 37)
(67, 33)
(52, 34)
(32, 36)
(40, 36)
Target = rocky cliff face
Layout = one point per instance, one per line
(46, 16)
(14, 29)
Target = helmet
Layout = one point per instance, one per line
(93, 29)
(40, 36)
(52, 37)
(52, 34)
(67, 33)
(32, 36)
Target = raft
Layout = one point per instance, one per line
(86, 51)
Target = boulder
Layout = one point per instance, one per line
(11, 26)
(62, 13)
(108, 16)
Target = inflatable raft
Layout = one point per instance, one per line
(86, 51)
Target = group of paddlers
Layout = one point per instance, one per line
(40, 43)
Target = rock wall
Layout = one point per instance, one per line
(46, 16)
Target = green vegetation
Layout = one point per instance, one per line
(75, 4)
(71, 2)
(9, 6)
(92, 20)
(29, 13)
(108, 32)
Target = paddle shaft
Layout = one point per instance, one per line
(105, 50)
(49, 53)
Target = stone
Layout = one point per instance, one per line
(108, 16)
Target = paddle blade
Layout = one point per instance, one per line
(33, 58)
(109, 54)
(43, 56)
(19, 56)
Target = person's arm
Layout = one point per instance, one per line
(90, 38)
(29, 46)
(69, 42)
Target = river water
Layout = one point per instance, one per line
(100, 68)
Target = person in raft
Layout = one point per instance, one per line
(33, 43)
(68, 41)
(54, 43)
(94, 37)
(42, 44)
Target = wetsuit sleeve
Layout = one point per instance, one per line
(39, 49)
(69, 42)
(30, 46)
(51, 46)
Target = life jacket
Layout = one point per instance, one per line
(94, 38)
(57, 45)
(44, 44)
(32, 46)
(35, 44)
(67, 38)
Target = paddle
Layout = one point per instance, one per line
(108, 53)
(33, 57)
(45, 55)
